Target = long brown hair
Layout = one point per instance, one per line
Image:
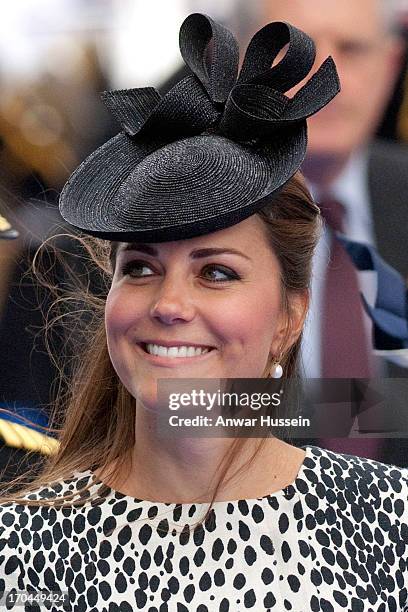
(94, 414)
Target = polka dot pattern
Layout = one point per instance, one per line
(335, 539)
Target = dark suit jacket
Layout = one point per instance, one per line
(388, 187)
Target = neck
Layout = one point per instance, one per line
(323, 170)
(187, 470)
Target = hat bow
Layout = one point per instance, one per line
(247, 107)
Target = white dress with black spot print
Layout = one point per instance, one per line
(335, 539)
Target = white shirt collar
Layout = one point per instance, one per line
(351, 189)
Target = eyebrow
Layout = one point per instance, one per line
(196, 254)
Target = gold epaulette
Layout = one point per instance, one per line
(4, 224)
(21, 436)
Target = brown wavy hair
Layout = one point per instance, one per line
(93, 416)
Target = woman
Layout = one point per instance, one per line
(210, 232)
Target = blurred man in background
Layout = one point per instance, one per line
(361, 185)
(364, 41)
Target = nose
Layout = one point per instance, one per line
(173, 303)
(324, 48)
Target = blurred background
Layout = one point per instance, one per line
(55, 58)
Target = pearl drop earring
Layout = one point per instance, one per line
(276, 369)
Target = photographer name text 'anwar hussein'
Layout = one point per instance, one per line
(263, 421)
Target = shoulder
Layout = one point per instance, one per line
(15, 512)
(25, 528)
(385, 153)
(357, 481)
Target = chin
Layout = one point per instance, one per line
(333, 142)
(146, 397)
(329, 144)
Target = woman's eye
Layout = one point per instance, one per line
(218, 274)
(213, 273)
(137, 269)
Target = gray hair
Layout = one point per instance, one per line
(243, 16)
(249, 12)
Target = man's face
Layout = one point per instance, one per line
(366, 56)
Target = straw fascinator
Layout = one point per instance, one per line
(213, 150)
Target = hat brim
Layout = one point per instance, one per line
(130, 190)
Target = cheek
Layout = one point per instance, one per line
(250, 322)
(363, 86)
(115, 317)
(121, 314)
(120, 311)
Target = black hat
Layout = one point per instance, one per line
(213, 150)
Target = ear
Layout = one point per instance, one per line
(292, 321)
(395, 53)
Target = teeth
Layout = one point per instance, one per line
(175, 351)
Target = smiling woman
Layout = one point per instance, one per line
(200, 294)
(206, 232)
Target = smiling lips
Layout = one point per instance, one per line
(176, 350)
